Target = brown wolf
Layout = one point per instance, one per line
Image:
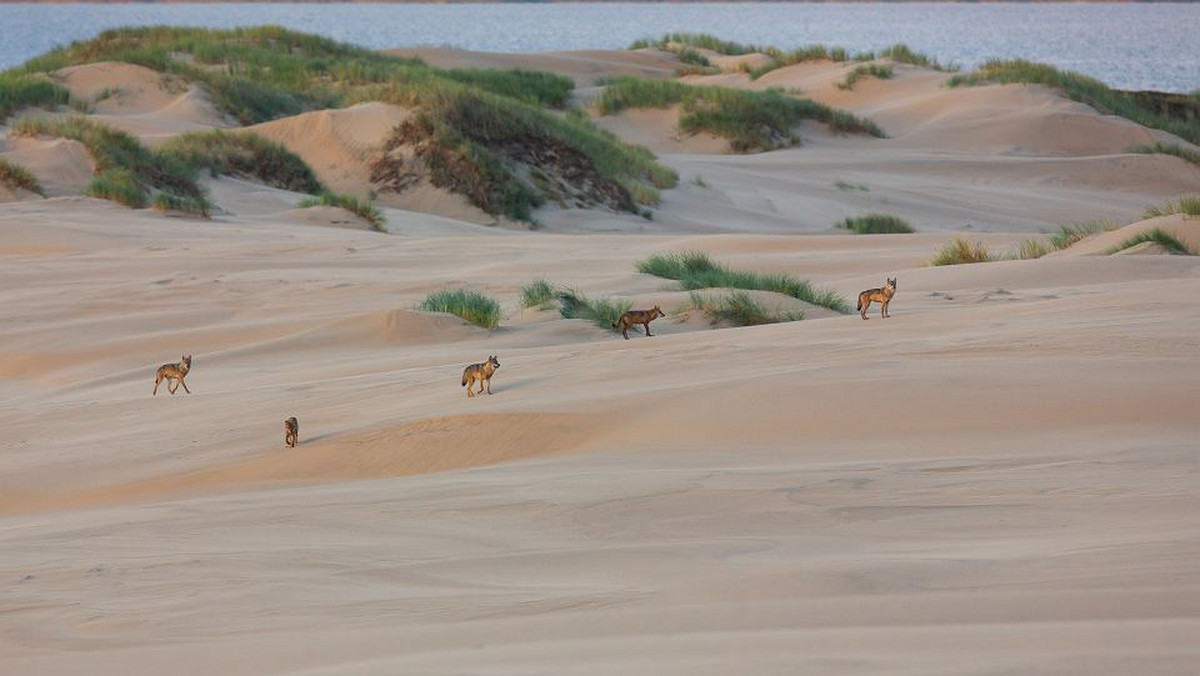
(481, 372)
(882, 296)
(173, 373)
(634, 317)
(291, 432)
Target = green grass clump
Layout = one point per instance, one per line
(752, 121)
(364, 209)
(865, 70)
(1030, 249)
(901, 53)
(603, 312)
(16, 176)
(472, 306)
(1158, 236)
(168, 202)
(1069, 234)
(19, 91)
(537, 293)
(739, 309)
(1079, 88)
(700, 40)
(695, 270)
(1175, 149)
(846, 186)
(873, 224)
(960, 251)
(127, 172)
(533, 87)
(1188, 205)
(487, 122)
(246, 155)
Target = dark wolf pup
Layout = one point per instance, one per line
(882, 296)
(481, 372)
(634, 317)
(173, 373)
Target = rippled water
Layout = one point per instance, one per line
(1131, 46)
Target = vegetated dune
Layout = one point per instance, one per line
(584, 66)
(62, 166)
(341, 145)
(1184, 228)
(139, 100)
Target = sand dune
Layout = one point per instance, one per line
(584, 66)
(1000, 478)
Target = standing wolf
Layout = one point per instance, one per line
(481, 372)
(882, 296)
(173, 373)
(634, 317)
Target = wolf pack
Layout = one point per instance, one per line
(481, 373)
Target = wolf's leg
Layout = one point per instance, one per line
(157, 380)
(648, 334)
(185, 389)
(489, 385)
(172, 385)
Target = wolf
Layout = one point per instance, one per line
(634, 317)
(481, 372)
(291, 432)
(882, 296)
(173, 373)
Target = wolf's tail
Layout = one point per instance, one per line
(859, 307)
(464, 382)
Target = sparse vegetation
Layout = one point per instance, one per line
(1175, 149)
(695, 270)
(960, 252)
(1069, 234)
(843, 185)
(362, 208)
(901, 53)
(698, 181)
(1158, 236)
(19, 91)
(15, 176)
(865, 70)
(752, 121)
(1188, 205)
(246, 155)
(603, 312)
(1032, 248)
(1079, 88)
(737, 308)
(537, 293)
(126, 171)
(472, 306)
(487, 124)
(700, 40)
(873, 224)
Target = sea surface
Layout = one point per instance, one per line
(1129, 46)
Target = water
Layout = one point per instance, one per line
(1129, 46)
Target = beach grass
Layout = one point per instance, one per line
(1070, 234)
(472, 306)
(603, 312)
(752, 121)
(362, 208)
(1157, 236)
(960, 252)
(538, 293)
(1080, 88)
(126, 171)
(737, 308)
(16, 176)
(1188, 205)
(1186, 154)
(865, 70)
(20, 90)
(245, 155)
(696, 270)
(874, 224)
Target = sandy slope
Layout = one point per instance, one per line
(1001, 478)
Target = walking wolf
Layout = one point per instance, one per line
(883, 296)
(173, 373)
(481, 372)
(634, 317)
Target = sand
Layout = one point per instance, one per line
(1000, 478)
